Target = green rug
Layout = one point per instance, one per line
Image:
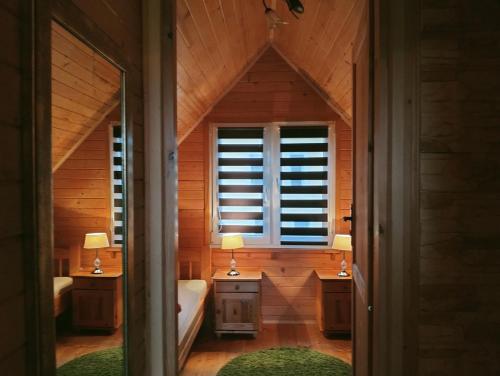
(107, 362)
(284, 361)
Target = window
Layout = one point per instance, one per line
(273, 184)
(116, 184)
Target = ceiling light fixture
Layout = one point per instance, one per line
(273, 20)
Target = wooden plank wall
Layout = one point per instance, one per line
(82, 191)
(13, 330)
(193, 201)
(270, 91)
(85, 87)
(460, 188)
(82, 197)
(120, 22)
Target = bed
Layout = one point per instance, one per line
(191, 298)
(65, 263)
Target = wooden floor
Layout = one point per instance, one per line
(71, 345)
(209, 354)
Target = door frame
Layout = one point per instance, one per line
(396, 219)
(160, 110)
(38, 170)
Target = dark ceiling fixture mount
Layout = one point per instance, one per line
(273, 20)
(295, 6)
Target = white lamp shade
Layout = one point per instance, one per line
(232, 241)
(342, 243)
(96, 240)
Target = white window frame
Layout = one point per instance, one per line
(271, 236)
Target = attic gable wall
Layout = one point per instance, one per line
(272, 91)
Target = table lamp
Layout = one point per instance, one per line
(342, 243)
(95, 241)
(232, 242)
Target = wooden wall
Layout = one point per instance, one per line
(82, 191)
(194, 202)
(270, 91)
(216, 40)
(82, 197)
(460, 188)
(13, 328)
(85, 88)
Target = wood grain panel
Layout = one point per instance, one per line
(215, 42)
(192, 201)
(459, 187)
(85, 89)
(319, 44)
(82, 192)
(14, 292)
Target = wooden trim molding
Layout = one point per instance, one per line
(37, 192)
(161, 189)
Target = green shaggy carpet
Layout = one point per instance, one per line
(107, 362)
(286, 361)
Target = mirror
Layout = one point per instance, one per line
(89, 205)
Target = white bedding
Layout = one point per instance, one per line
(62, 284)
(191, 294)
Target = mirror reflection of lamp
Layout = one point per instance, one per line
(96, 240)
(342, 243)
(232, 242)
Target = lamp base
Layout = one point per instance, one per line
(97, 271)
(233, 273)
(343, 273)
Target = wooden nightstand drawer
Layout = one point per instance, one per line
(94, 283)
(337, 286)
(237, 286)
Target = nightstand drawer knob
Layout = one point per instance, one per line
(237, 287)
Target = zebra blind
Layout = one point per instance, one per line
(304, 185)
(117, 203)
(240, 174)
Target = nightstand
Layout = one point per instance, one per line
(333, 303)
(237, 302)
(97, 300)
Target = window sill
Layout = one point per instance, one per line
(276, 248)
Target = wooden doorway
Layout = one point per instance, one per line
(362, 213)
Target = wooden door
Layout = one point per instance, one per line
(236, 311)
(362, 225)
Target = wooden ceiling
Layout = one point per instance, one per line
(85, 91)
(319, 44)
(216, 41)
(219, 40)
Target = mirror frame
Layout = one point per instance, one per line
(38, 171)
